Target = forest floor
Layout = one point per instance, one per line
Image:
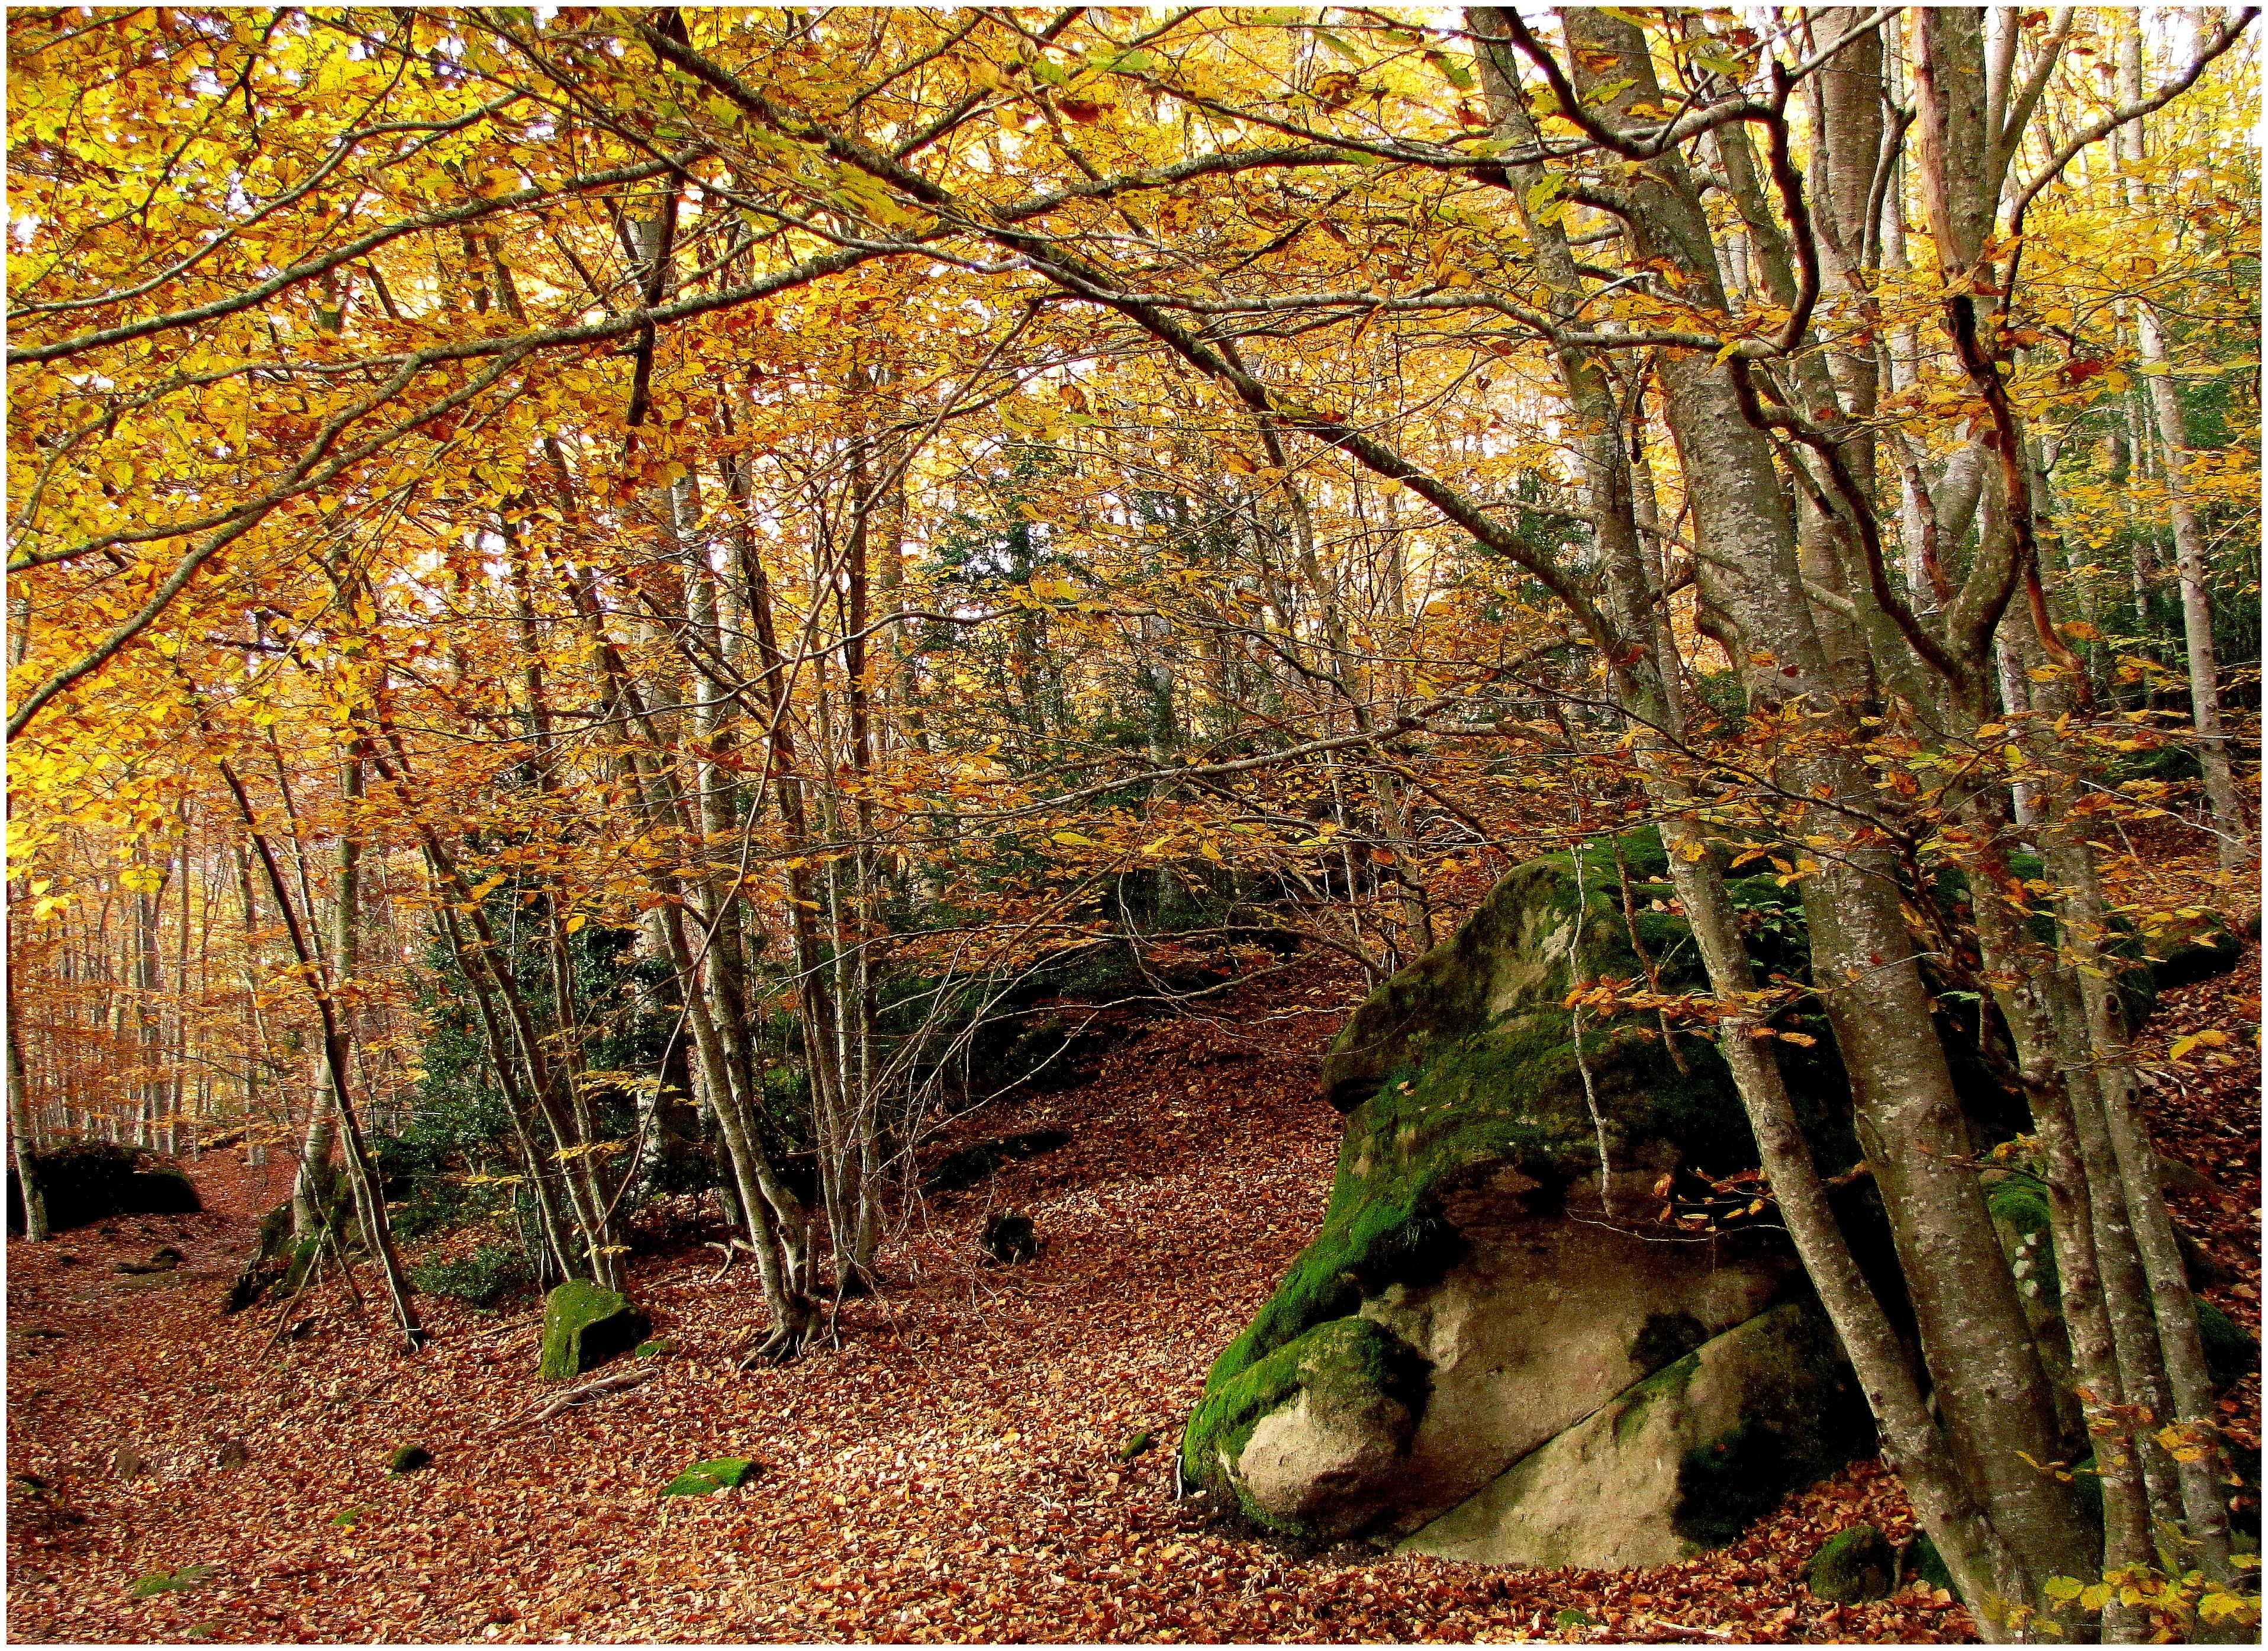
(951, 1471)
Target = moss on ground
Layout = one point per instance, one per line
(1854, 1564)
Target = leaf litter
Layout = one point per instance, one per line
(957, 1469)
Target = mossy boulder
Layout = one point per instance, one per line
(1682, 1461)
(1503, 1206)
(1470, 1220)
(706, 1478)
(1853, 1565)
(584, 1326)
(1312, 1439)
(2190, 947)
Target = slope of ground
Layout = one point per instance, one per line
(952, 1471)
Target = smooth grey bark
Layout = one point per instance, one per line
(1715, 441)
(21, 1133)
(2231, 830)
(1985, 1372)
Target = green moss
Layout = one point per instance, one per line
(2020, 1202)
(1853, 1565)
(584, 1326)
(1929, 1565)
(706, 1478)
(2231, 1350)
(167, 1582)
(409, 1459)
(1667, 1382)
(1351, 1361)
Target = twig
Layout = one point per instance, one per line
(622, 1381)
(1679, 1627)
(730, 1247)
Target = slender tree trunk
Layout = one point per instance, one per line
(363, 1178)
(20, 1128)
(2231, 830)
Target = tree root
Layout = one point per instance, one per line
(778, 1348)
(620, 1381)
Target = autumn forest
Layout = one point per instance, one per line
(740, 738)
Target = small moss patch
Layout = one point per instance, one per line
(409, 1459)
(706, 1478)
(1929, 1565)
(1854, 1564)
(1667, 1382)
(1136, 1445)
(167, 1582)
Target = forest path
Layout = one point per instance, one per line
(950, 1472)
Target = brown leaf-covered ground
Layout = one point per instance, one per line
(950, 1471)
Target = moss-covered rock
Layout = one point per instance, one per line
(1497, 1204)
(584, 1326)
(409, 1459)
(706, 1478)
(2232, 1350)
(1469, 1088)
(1852, 1565)
(93, 1181)
(1309, 1439)
(1681, 1461)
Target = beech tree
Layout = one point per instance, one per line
(868, 508)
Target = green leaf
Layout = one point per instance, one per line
(1126, 63)
(1338, 46)
(1451, 70)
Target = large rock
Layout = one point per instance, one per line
(1680, 1461)
(93, 1181)
(584, 1326)
(1509, 1275)
(1474, 1255)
